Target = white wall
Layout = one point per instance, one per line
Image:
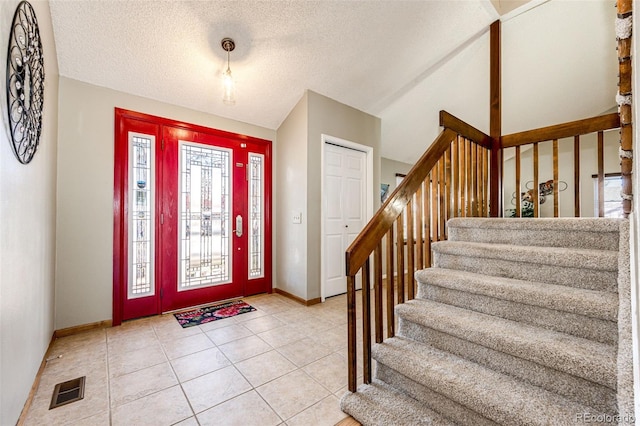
(27, 235)
(459, 86)
(85, 192)
(551, 56)
(290, 178)
(634, 217)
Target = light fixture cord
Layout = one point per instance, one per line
(228, 61)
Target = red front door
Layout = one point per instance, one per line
(194, 221)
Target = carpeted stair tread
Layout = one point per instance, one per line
(495, 396)
(603, 260)
(581, 268)
(599, 330)
(574, 388)
(379, 404)
(573, 355)
(587, 224)
(519, 322)
(591, 303)
(458, 413)
(594, 233)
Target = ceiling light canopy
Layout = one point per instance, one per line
(229, 87)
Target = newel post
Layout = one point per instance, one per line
(495, 122)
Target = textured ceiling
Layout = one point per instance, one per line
(357, 52)
(399, 60)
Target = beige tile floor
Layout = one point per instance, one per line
(283, 364)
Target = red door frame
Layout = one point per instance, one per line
(125, 121)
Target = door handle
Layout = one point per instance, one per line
(238, 229)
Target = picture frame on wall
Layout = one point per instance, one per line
(384, 192)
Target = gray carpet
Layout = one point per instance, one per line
(519, 322)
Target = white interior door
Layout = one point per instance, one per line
(344, 199)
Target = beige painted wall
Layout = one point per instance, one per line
(27, 235)
(85, 192)
(388, 170)
(290, 176)
(332, 118)
(588, 167)
(299, 178)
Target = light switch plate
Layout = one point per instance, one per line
(297, 217)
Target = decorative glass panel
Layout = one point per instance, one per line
(205, 198)
(256, 215)
(141, 217)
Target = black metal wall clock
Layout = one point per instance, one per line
(25, 83)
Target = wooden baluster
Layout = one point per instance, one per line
(463, 181)
(468, 166)
(390, 284)
(419, 230)
(576, 176)
(377, 287)
(434, 203)
(447, 186)
(351, 333)
(473, 178)
(601, 174)
(427, 221)
(478, 180)
(442, 200)
(366, 322)
(518, 189)
(536, 181)
(487, 179)
(400, 257)
(455, 171)
(410, 251)
(556, 180)
(461, 177)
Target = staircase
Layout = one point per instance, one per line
(519, 322)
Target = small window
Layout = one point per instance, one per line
(612, 198)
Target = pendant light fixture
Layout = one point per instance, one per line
(229, 87)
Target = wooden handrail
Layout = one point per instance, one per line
(571, 131)
(460, 174)
(365, 243)
(465, 130)
(449, 180)
(564, 130)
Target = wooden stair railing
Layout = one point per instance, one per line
(561, 133)
(450, 180)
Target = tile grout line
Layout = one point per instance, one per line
(278, 316)
(255, 388)
(301, 369)
(155, 331)
(106, 344)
